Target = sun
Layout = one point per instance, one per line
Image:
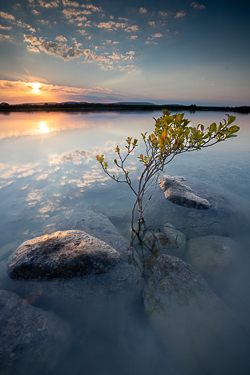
(36, 86)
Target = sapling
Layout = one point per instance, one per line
(171, 136)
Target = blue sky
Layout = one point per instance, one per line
(104, 51)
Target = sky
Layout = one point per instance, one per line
(162, 52)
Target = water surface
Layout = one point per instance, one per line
(47, 166)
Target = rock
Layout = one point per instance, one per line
(71, 296)
(178, 241)
(178, 193)
(191, 321)
(176, 284)
(153, 242)
(30, 337)
(210, 254)
(225, 209)
(64, 255)
(95, 224)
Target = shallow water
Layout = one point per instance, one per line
(47, 166)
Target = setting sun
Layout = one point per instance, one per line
(36, 86)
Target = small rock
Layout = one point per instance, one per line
(177, 239)
(180, 194)
(210, 254)
(30, 337)
(64, 255)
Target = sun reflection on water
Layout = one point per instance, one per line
(43, 128)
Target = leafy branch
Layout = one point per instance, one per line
(171, 136)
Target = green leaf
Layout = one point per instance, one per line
(234, 129)
(213, 127)
(231, 119)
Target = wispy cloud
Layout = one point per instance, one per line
(2, 37)
(143, 11)
(5, 27)
(61, 38)
(180, 14)
(12, 19)
(35, 12)
(7, 16)
(197, 6)
(61, 49)
(52, 4)
(157, 35)
(164, 14)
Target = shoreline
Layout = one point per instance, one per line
(99, 107)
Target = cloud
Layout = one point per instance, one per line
(33, 49)
(61, 50)
(82, 32)
(2, 37)
(19, 23)
(92, 7)
(128, 68)
(107, 25)
(197, 6)
(180, 14)
(5, 27)
(61, 38)
(74, 4)
(7, 16)
(132, 28)
(52, 4)
(74, 15)
(32, 39)
(43, 22)
(25, 26)
(111, 25)
(157, 35)
(152, 23)
(11, 90)
(35, 12)
(142, 11)
(164, 14)
(123, 19)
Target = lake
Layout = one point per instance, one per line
(48, 166)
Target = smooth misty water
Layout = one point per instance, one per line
(47, 166)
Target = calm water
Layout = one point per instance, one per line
(47, 166)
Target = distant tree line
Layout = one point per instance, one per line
(84, 106)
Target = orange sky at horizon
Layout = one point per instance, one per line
(17, 92)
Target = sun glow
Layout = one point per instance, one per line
(36, 86)
(43, 128)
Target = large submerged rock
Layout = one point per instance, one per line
(64, 255)
(210, 254)
(30, 337)
(79, 280)
(190, 319)
(95, 224)
(178, 193)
